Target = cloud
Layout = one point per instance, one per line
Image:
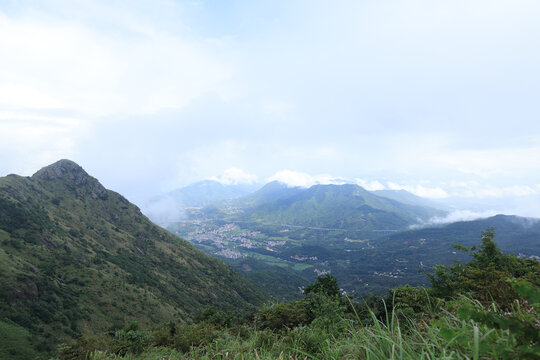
(420, 190)
(38, 139)
(457, 215)
(370, 185)
(163, 210)
(295, 178)
(73, 65)
(235, 176)
(480, 190)
(490, 162)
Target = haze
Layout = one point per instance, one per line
(436, 97)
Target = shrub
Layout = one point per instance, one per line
(283, 315)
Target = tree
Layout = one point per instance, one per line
(325, 285)
(485, 276)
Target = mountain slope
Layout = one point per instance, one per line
(76, 258)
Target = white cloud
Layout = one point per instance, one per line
(234, 176)
(475, 189)
(370, 185)
(53, 63)
(420, 190)
(487, 163)
(39, 140)
(163, 210)
(458, 215)
(295, 178)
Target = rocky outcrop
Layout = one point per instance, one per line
(74, 176)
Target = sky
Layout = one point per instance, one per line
(440, 98)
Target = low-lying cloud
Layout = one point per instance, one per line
(455, 216)
(235, 176)
(301, 179)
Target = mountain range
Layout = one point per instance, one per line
(345, 207)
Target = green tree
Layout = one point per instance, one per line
(485, 276)
(326, 285)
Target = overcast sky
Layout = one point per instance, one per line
(439, 97)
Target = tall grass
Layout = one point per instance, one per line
(441, 335)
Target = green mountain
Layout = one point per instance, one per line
(514, 234)
(336, 206)
(77, 258)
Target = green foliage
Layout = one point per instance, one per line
(130, 340)
(521, 322)
(216, 317)
(326, 285)
(283, 316)
(485, 276)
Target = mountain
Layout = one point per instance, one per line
(345, 206)
(406, 197)
(77, 258)
(272, 191)
(205, 192)
(394, 259)
(172, 206)
(514, 234)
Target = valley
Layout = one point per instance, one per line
(283, 238)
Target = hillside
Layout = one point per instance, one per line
(77, 258)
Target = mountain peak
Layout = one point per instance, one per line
(71, 173)
(61, 169)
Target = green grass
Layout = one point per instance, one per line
(434, 335)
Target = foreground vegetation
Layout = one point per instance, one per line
(484, 309)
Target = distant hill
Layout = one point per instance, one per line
(272, 191)
(172, 206)
(345, 206)
(514, 234)
(77, 258)
(406, 197)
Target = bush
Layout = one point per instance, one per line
(283, 315)
(130, 340)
